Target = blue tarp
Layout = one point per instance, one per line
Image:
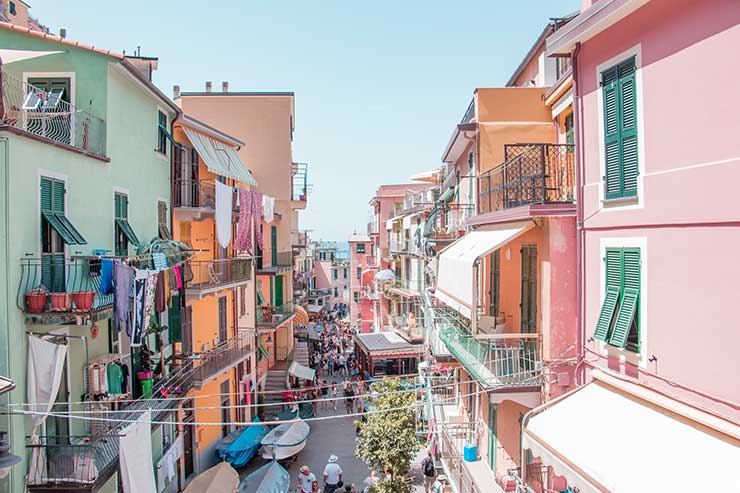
(244, 447)
(270, 478)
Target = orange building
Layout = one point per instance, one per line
(219, 315)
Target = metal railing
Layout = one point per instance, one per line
(194, 193)
(210, 274)
(530, 174)
(469, 113)
(272, 316)
(299, 178)
(53, 284)
(47, 115)
(508, 360)
(453, 437)
(271, 260)
(372, 228)
(225, 355)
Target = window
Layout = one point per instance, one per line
(529, 288)
(336, 291)
(11, 8)
(162, 132)
(359, 272)
(345, 273)
(569, 137)
(225, 406)
(335, 273)
(495, 283)
(360, 248)
(618, 322)
(619, 93)
(356, 296)
(222, 320)
(162, 222)
(124, 233)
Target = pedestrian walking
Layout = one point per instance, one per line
(332, 475)
(427, 468)
(325, 394)
(349, 395)
(335, 394)
(306, 479)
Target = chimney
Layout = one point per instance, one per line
(62, 33)
(225, 86)
(175, 92)
(209, 86)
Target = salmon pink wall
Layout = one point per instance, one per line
(686, 219)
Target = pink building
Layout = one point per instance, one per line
(655, 85)
(361, 251)
(332, 273)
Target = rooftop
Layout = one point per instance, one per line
(400, 189)
(386, 341)
(359, 238)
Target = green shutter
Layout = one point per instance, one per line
(495, 261)
(607, 313)
(174, 319)
(612, 178)
(52, 272)
(45, 194)
(624, 317)
(628, 127)
(125, 227)
(614, 268)
(631, 274)
(529, 289)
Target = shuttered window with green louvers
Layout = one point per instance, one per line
(495, 283)
(52, 211)
(162, 222)
(618, 322)
(123, 230)
(529, 288)
(620, 130)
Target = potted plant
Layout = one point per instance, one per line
(60, 302)
(84, 300)
(36, 299)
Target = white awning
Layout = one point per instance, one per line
(612, 435)
(301, 371)
(219, 158)
(455, 280)
(10, 56)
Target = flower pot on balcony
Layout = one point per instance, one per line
(36, 301)
(84, 300)
(60, 302)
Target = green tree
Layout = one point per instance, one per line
(388, 439)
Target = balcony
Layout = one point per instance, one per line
(500, 363)
(532, 174)
(449, 223)
(274, 262)
(195, 200)
(48, 117)
(55, 290)
(299, 177)
(229, 353)
(298, 240)
(372, 228)
(84, 463)
(270, 318)
(211, 276)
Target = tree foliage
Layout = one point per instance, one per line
(391, 485)
(388, 439)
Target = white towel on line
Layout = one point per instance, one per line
(224, 213)
(268, 208)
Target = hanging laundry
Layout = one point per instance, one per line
(268, 208)
(178, 276)
(123, 279)
(160, 261)
(257, 215)
(114, 375)
(106, 276)
(243, 241)
(160, 299)
(224, 212)
(145, 285)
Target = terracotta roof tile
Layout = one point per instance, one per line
(53, 37)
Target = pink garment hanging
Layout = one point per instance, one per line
(257, 214)
(178, 276)
(243, 241)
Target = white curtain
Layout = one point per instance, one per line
(224, 213)
(268, 208)
(135, 456)
(45, 367)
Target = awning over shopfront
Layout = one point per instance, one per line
(456, 283)
(219, 158)
(613, 435)
(301, 316)
(303, 372)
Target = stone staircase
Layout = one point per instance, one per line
(300, 353)
(274, 386)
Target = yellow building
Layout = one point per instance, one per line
(219, 315)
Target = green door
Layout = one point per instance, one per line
(273, 245)
(492, 436)
(278, 290)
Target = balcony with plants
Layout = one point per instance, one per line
(271, 317)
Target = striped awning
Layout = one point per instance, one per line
(220, 158)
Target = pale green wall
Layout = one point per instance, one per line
(130, 113)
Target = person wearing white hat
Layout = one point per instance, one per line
(305, 480)
(332, 475)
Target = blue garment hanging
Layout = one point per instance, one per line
(106, 276)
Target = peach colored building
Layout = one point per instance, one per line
(361, 253)
(265, 121)
(657, 152)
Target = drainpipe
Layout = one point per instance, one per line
(580, 232)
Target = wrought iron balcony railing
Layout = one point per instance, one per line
(504, 361)
(299, 174)
(222, 357)
(530, 174)
(275, 261)
(213, 275)
(200, 194)
(273, 316)
(48, 115)
(53, 288)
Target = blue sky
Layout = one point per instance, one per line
(379, 85)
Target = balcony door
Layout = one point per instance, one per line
(492, 418)
(222, 320)
(273, 246)
(279, 291)
(189, 437)
(51, 117)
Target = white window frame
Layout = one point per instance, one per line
(629, 202)
(625, 355)
(58, 75)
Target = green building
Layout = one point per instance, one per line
(85, 160)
